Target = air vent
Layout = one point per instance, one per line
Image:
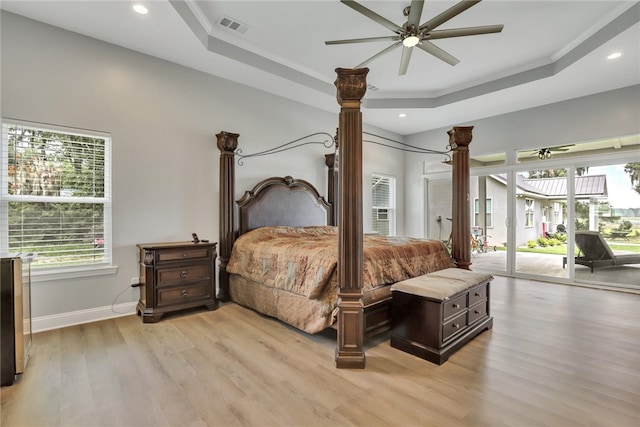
(233, 25)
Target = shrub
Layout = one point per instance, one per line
(543, 242)
(625, 225)
(531, 244)
(555, 242)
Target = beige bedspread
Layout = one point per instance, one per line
(289, 263)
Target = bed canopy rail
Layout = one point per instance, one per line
(328, 142)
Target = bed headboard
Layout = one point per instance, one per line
(283, 201)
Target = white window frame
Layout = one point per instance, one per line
(378, 211)
(488, 217)
(529, 217)
(43, 272)
(557, 213)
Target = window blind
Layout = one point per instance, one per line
(55, 194)
(383, 204)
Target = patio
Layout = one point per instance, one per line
(551, 266)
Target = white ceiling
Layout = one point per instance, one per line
(548, 51)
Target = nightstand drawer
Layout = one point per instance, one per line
(184, 294)
(183, 254)
(185, 273)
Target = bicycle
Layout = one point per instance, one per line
(447, 242)
(479, 241)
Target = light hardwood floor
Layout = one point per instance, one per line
(556, 356)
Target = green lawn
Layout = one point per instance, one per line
(562, 249)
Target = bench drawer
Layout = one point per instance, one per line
(477, 312)
(457, 324)
(478, 294)
(455, 306)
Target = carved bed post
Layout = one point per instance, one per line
(227, 144)
(351, 85)
(459, 139)
(329, 160)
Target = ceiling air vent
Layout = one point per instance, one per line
(233, 25)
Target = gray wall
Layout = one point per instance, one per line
(163, 119)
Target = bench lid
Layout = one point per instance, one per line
(442, 284)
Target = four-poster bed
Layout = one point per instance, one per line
(358, 314)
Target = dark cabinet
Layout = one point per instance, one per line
(176, 276)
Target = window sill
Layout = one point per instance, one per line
(47, 275)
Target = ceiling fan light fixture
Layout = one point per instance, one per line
(411, 41)
(544, 153)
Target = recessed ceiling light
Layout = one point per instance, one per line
(402, 115)
(138, 8)
(615, 55)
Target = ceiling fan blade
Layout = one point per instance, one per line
(437, 52)
(379, 54)
(448, 14)
(468, 31)
(415, 12)
(364, 40)
(561, 148)
(404, 61)
(372, 15)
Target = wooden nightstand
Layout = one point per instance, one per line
(176, 276)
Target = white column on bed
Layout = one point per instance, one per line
(351, 86)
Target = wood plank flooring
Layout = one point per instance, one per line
(556, 356)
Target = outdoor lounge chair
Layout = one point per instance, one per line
(595, 252)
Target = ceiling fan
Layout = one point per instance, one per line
(545, 153)
(412, 34)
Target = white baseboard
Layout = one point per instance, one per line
(56, 321)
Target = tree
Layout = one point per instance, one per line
(47, 165)
(633, 169)
(555, 173)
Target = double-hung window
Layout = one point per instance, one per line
(55, 195)
(528, 212)
(488, 216)
(383, 204)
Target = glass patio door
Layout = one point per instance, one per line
(540, 222)
(489, 234)
(607, 225)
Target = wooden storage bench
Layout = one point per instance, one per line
(436, 314)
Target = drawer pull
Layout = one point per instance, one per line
(184, 293)
(184, 255)
(456, 306)
(456, 326)
(476, 311)
(477, 294)
(183, 274)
